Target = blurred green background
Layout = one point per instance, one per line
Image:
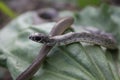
(10, 9)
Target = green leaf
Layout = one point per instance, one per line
(84, 3)
(70, 62)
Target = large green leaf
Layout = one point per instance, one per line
(71, 62)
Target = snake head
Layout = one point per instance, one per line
(39, 37)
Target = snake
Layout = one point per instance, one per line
(56, 37)
(72, 37)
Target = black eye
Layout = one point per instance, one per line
(37, 38)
